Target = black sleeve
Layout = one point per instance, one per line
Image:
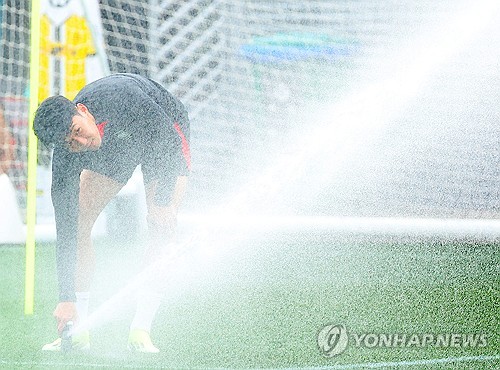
(65, 198)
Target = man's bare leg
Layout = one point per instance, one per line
(96, 191)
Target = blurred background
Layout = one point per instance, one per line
(346, 108)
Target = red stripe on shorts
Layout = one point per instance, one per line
(185, 145)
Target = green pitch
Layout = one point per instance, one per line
(263, 303)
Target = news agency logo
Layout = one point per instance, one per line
(333, 340)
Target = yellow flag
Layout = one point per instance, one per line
(71, 33)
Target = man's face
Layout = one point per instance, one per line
(84, 135)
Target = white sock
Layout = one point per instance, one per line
(148, 303)
(82, 305)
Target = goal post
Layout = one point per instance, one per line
(29, 297)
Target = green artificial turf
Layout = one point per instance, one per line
(262, 302)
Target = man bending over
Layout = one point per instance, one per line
(113, 125)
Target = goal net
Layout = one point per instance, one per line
(335, 108)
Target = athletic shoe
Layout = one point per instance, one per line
(140, 341)
(80, 342)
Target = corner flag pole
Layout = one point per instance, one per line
(29, 292)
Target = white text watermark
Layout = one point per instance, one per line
(333, 339)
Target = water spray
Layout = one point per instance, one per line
(357, 116)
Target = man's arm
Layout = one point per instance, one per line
(168, 193)
(65, 194)
(170, 131)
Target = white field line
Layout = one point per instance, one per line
(381, 365)
(362, 365)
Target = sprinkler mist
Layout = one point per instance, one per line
(359, 115)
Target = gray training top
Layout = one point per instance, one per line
(140, 122)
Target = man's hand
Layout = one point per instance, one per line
(162, 220)
(64, 312)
